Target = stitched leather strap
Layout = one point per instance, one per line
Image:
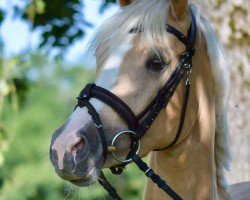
(94, 91)
(182, 119)
(155, 178)
(108, 187)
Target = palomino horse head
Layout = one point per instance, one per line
(135, 56)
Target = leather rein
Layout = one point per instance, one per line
(139, 124)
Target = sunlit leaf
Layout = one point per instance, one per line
(4, 88)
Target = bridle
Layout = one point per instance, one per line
(139, 124)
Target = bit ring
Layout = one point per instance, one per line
(131, 133)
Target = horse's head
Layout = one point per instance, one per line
(135, 56)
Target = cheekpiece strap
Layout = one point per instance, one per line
(85, 94)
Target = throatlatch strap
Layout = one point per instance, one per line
(182, 119)
(155, 178)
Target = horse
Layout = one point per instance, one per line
(187, 138)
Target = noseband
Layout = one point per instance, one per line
(139, 124)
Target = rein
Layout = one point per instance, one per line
(138, 125)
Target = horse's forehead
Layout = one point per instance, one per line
(168, 46)
(133, 50)
(108, 71)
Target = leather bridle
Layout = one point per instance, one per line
(139, 124)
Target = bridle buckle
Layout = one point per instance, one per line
(188, 73)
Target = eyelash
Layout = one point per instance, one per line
(155, 63)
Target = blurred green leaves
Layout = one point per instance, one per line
(105, 4)
(27, 173)
(13, 90)
(1, 16)
(61, 21)
(43, 92)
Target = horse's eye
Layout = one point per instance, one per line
(155, 63)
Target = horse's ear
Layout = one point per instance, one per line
(125, 2)
(178, 8)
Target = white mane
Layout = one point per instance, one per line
(151, 15)
(221, 75)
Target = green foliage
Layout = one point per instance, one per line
(43, 93)
(1, 16)
(61, 21)
(105, 4)
(27, 173)
(22, 87)
(13, 87)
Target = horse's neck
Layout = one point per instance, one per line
(189, 167)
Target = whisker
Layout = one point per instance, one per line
(69, 190)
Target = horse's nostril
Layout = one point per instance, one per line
(78, 146)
